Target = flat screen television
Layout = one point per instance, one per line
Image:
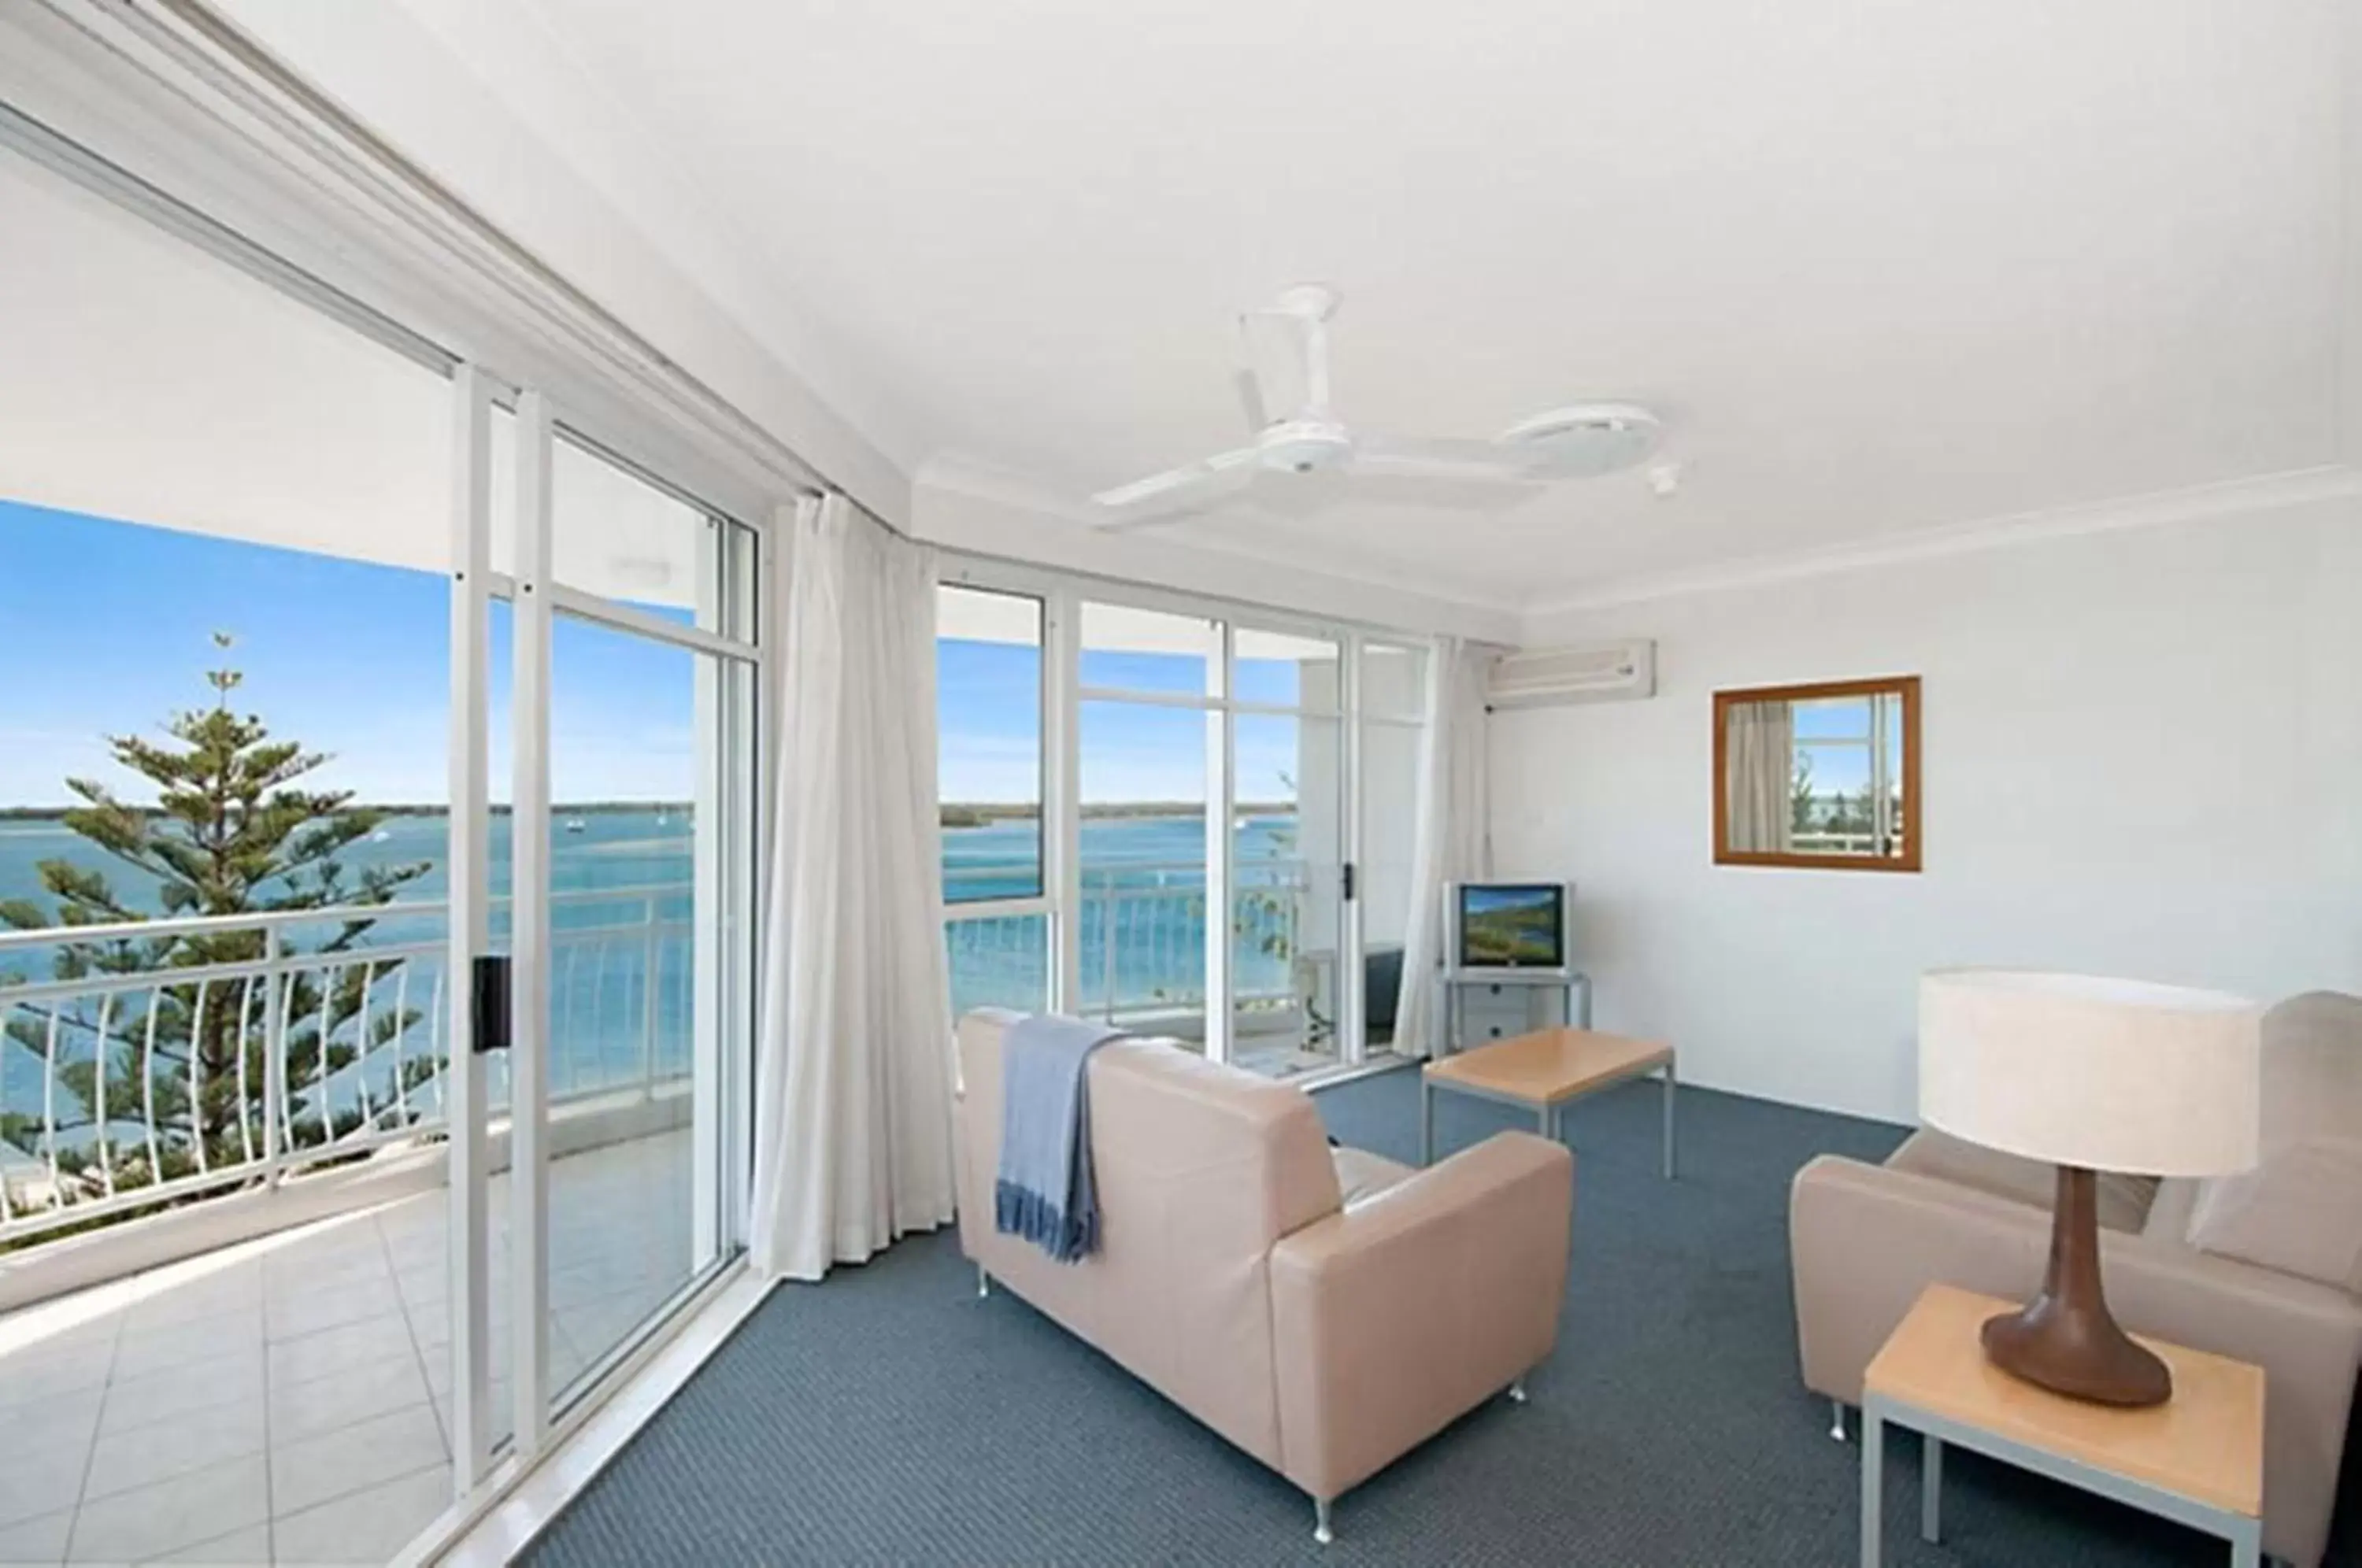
(1508, 927)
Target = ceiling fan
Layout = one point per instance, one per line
(1291, 335)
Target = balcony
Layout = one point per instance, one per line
(230, 1289)
(1143, 960)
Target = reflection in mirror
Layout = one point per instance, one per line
(1823, 775)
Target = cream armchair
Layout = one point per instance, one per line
(2269, 1270)
(1325, 1309)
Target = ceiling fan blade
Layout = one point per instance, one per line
(1422, 458)
(1161, 497)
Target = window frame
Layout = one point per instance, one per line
(1063, 593)
(1037, 901)
(1905, 688)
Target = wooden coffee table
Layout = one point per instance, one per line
(2198, 1458)
(1542, 1071)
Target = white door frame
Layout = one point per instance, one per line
(726, 886)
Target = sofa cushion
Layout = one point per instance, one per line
(2124, 1200)
(1361, 1174)
(2299, 1211)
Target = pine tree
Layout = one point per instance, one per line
(230, 833)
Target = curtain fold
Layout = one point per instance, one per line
(1453, 841)
(1759, 762)
(853, 1134)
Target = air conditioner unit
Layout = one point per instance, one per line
(1607, 672)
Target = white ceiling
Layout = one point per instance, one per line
(1886, 270)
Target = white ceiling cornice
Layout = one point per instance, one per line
(1142, 557)
(2266, 493)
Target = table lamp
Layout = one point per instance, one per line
(2089, 1075)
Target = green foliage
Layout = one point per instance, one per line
(230, 831)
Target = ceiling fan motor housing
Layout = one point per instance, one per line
(1304, 446)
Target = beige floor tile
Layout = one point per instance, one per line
(42, 1481)
(41, 1373)
(353, 1457)
(302, 1411)
(247, 1547)
(341, 1348)
(291, 1312)
(368, 1527)
(133, 1402)
(41, 1540)
(166, 1347)
(60, 1421)
(141, 1456)
(201, 1505)
(203, 1296)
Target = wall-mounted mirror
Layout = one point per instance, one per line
(1818, 776)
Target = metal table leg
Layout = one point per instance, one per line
(1873, 1456)
(1670, 1087)
(1550, 1121)
(1426, 1121)
(1931, 1489)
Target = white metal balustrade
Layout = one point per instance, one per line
(316, 1055)
(1142, 947)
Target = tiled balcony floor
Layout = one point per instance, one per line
(286, 1400)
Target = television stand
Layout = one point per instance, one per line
(1495, 994)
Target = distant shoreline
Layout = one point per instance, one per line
(955, 813)
(977, 814)
(570, 808)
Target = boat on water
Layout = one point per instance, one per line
(575, 824)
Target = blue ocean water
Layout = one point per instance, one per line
(623, 910)
(1142, 923)
(622, 917)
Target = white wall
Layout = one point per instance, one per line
(2142, 756)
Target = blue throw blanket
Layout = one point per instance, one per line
(1043, 1191)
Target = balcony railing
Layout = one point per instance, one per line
(134, 1084)
(1142, 937)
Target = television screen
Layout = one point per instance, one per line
(1512, 926)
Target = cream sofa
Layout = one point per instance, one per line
(2179, 1263)
(1323, 1309)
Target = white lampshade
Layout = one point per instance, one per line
(2073, 1070)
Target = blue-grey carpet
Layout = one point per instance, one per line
(889, 1416)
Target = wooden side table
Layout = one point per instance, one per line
(2197, 1459)
(1542, 1071)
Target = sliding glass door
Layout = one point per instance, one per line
(1288, 905)
(602, 909)
(1186, 823)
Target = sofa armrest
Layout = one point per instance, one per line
(1402, 1311)
(1865, 1241)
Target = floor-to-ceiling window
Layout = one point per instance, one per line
(1150, 814)
(1287, 851)
(991, 781)
(227, 572)
(1149, 752)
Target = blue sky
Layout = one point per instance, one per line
(989, 699)
(107, 628)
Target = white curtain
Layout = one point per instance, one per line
(1759, 762)
(1453, 838)
(853, 1126)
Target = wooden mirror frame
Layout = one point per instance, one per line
(1906, 687)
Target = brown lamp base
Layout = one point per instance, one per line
(2065, 1340)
